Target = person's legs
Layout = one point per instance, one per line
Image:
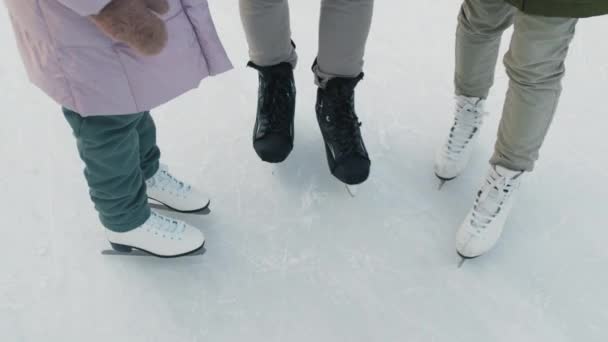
(343, 31)
(481, 24)
(114, 150)
(535, 65)
(149, 152)
(273, 55)
(268, 32)
(109, 146)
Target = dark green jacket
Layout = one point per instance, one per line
(562, 8)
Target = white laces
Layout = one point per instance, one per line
(166, 182)
(468, 119)
(494, 193)
(165, 226)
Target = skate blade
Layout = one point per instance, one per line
(464, 259)
(352, 190)
(441, 184)
(140, 253)
(443, 181)
(159, 206)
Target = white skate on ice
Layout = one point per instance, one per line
(175, 194)
(159, 236)
(485, 222)
(454, 155)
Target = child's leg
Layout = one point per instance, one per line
(535, 64)
(343, 32)
(268, 31)
(481, 24)
(109, 146)
(148, 150)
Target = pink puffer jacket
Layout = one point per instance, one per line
(84, 70)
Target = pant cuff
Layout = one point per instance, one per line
(499, 159)
(291, 57)
(136, 220)
(321, 77)
(478, 93)
(149, 172)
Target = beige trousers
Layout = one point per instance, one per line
(344, 28)
(534, 63)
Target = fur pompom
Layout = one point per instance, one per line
(135, 23)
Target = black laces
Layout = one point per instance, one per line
(345, 122)
(276, 102)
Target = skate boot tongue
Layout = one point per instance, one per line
(487, 207)
(504, 172)
(479, 102)
(491, 198)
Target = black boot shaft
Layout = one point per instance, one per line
(273, 133)
(346, 153)
(337, 115)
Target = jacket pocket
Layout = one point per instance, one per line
(177, 68)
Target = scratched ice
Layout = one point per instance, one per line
(291, 256)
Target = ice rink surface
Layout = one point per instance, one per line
(290, 255)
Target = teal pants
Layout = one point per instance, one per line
(120, 154)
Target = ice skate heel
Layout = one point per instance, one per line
(121, 248)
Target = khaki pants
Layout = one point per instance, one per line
(343, 32)
(534, 63)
